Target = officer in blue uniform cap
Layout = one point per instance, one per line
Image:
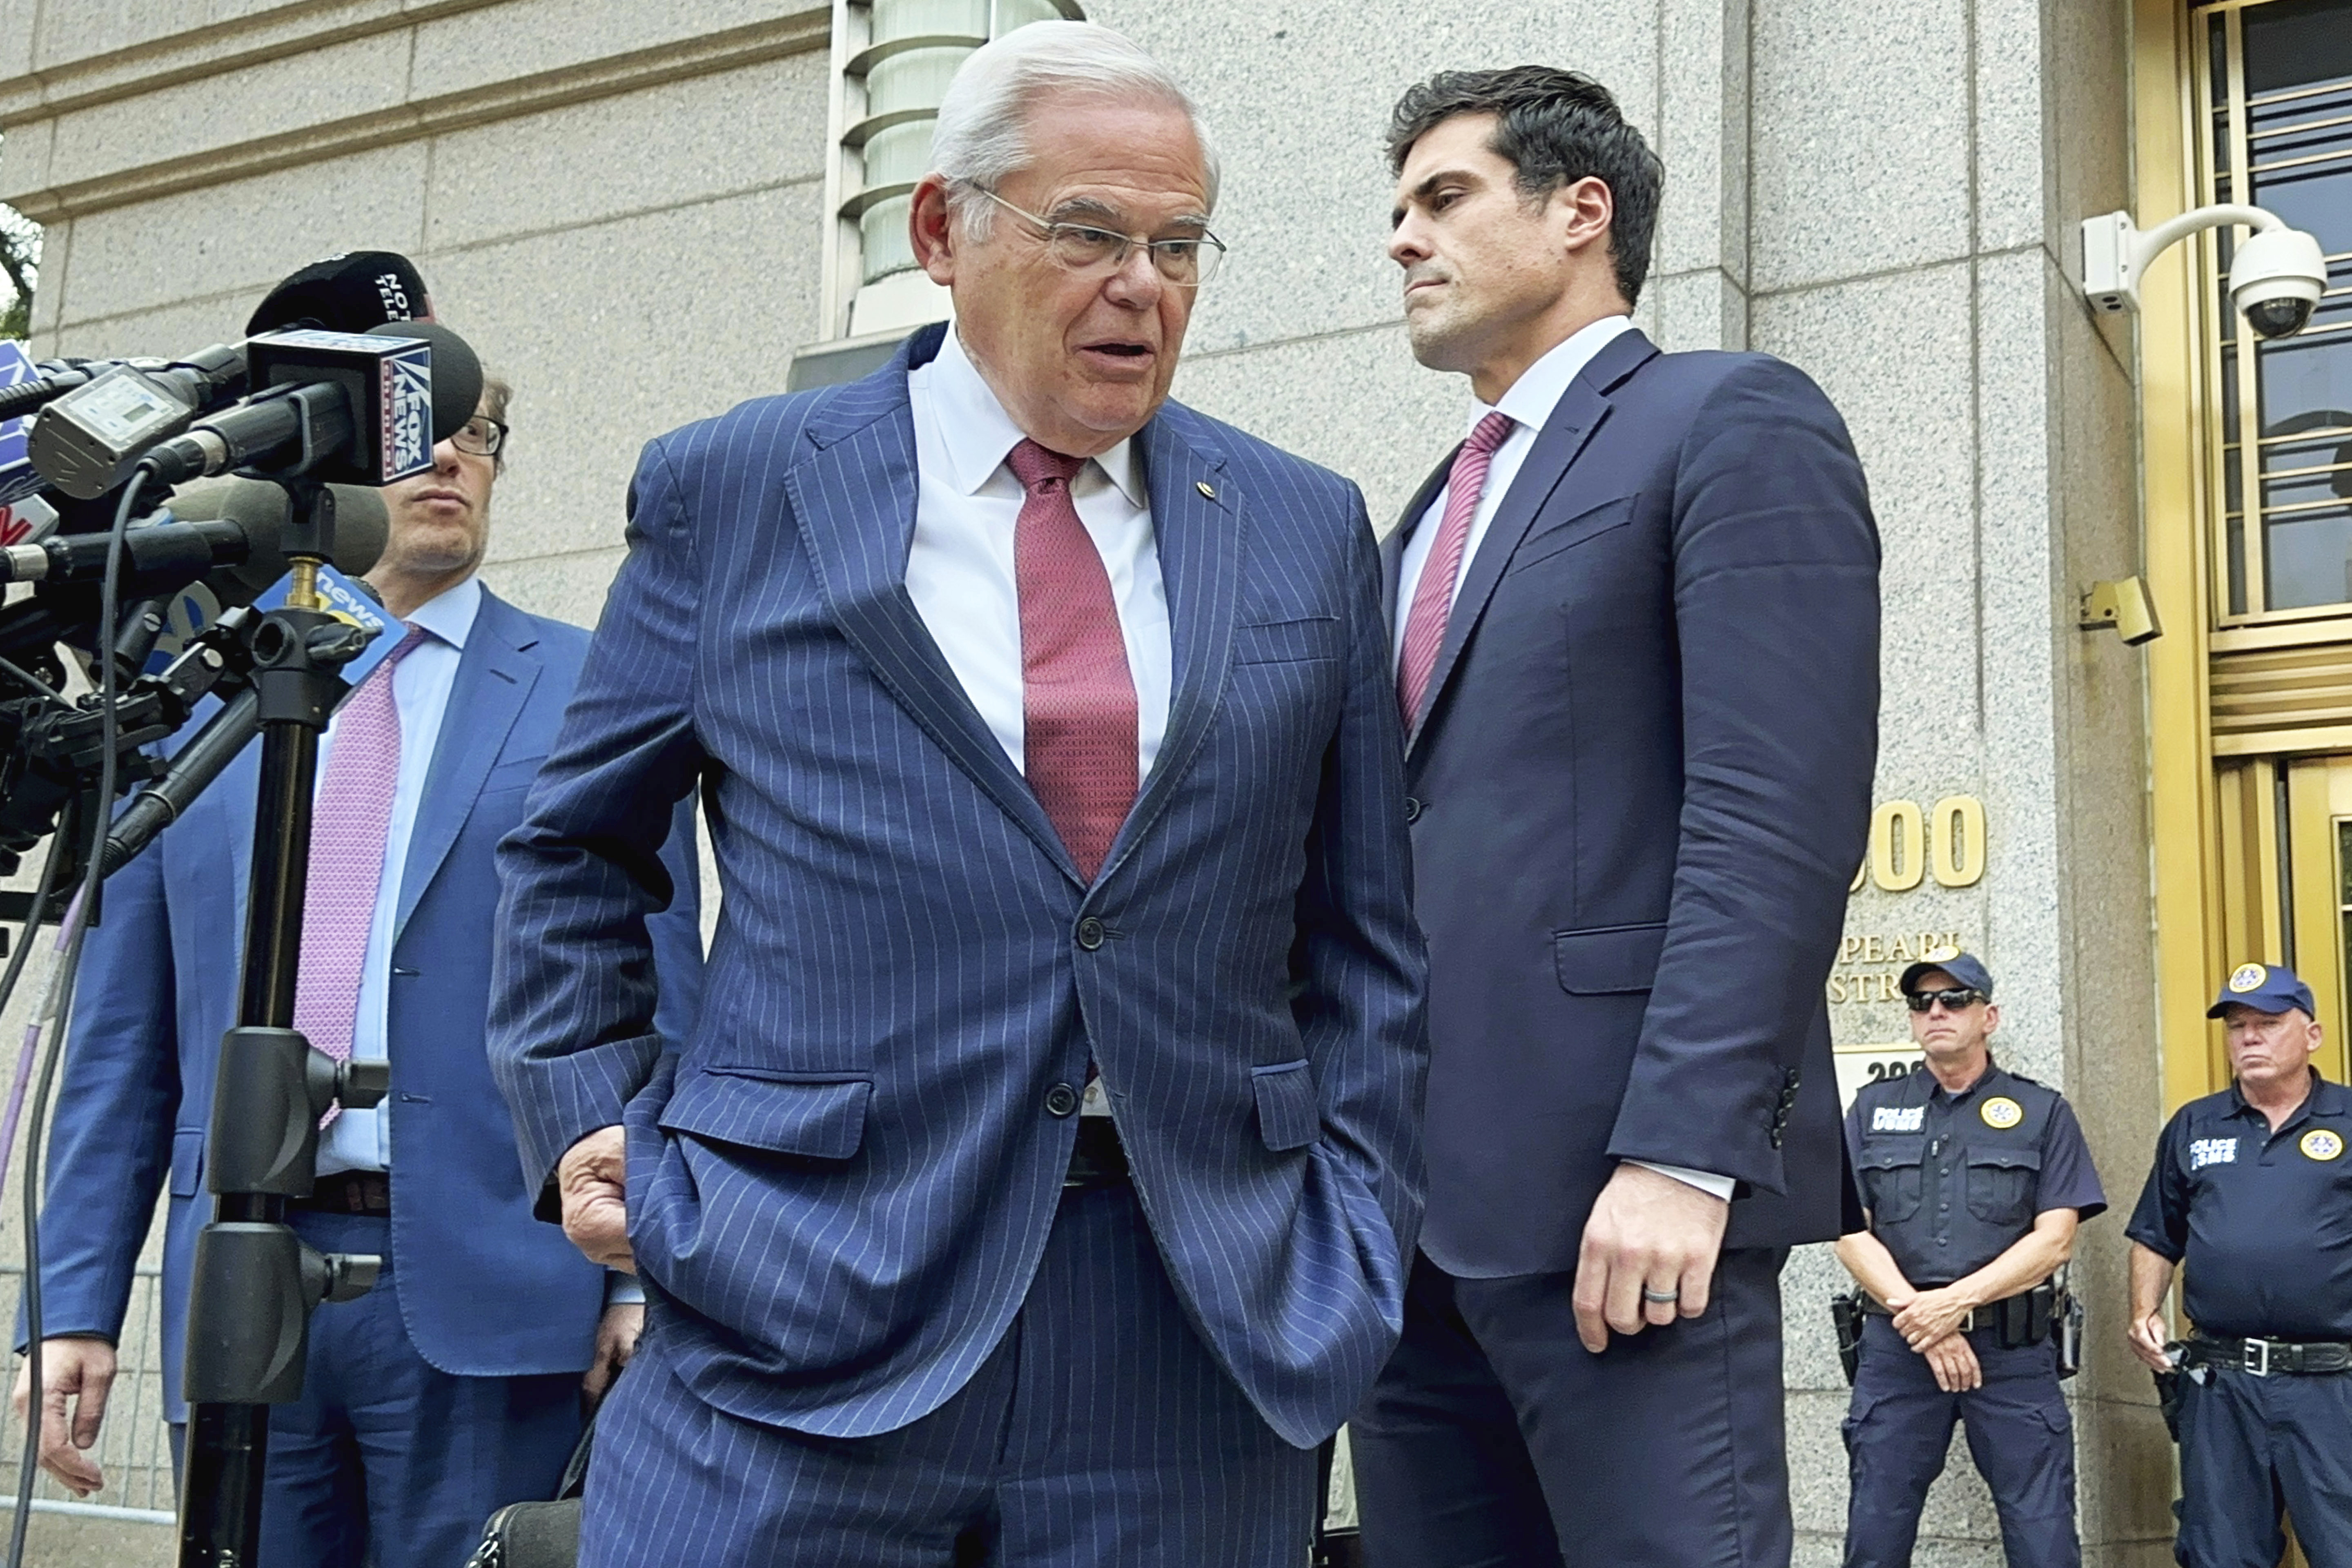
(2253, 1191)
(1975, 1179)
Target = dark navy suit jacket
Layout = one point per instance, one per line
(1639, 788)
(486, 1291)
(841, 1187)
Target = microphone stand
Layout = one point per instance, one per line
(255, 1282)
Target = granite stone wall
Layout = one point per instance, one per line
(619, 205)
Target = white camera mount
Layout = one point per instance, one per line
(2275, 278)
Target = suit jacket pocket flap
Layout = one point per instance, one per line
(187, 1161)
(1604, 959)
(1287, 1116)
(1543, 542)
(821, 1120)
(1282, 642)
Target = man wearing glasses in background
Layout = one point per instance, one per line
(455, 1386)
(1041, 1192)
(1975, 1179)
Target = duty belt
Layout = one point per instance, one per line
(1985, 1317)
(2261, 1358)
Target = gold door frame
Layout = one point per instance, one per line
(2242, 858)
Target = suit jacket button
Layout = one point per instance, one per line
(1412, 809)
(1061, 1099)
(1090, 934)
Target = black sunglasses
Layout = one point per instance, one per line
(1953, 1001)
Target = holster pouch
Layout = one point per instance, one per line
(2070, 1336)
(2030, 1317)
(2167, 1400)
(1845, 1316)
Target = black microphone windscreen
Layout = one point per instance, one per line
(348, 293)
(361, 526)
(457, 373)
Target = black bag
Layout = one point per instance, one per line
(540, 1534)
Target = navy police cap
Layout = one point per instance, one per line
(2264, 987)
(1961, 966)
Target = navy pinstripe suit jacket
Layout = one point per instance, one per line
(843, 1182)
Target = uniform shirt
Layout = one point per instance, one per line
(1953, 1181)
(362, 1140)
(2262, 1220)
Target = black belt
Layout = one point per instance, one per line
(2259, 1358)
(349, 1191)
(1985, 1317)
(1099, 1160)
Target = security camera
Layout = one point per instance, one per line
(2275, 281)
(2275, 278)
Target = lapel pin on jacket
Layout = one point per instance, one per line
(1205, 487)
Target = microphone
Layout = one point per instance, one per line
(196, 764)
(94, 431)
(354, 292)
(361, 408)
(350, 293)
(259, 509)
(234, 525)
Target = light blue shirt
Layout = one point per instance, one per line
(421, 682)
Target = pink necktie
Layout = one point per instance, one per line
(1077, 698)
(1433, 596)
(348, 824)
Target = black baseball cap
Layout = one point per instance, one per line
(1961, 966)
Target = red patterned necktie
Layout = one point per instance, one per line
(1078, 697)
(1433, 596)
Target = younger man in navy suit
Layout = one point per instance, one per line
(1635, 623)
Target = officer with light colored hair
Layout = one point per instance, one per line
(2252, 1193)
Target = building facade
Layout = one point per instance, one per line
(643, 214)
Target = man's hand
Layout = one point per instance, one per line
(82, 1369)
(617, 1341)
(1954, 1362)
(591, 1182)
(2147, 1335)
(1930, 1316)
(1649, 1232)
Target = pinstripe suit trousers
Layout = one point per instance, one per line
(1100, 1432)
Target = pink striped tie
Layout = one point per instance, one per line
(1433, 596)
(1077, 696)
(348, 824)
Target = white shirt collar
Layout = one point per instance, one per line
(450, 615)
(979, 434)
(1540, 386)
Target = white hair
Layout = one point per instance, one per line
(981, 133)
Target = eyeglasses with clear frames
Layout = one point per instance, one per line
(1186, 262)
(482, 435)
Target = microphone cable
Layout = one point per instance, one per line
(57, 1011)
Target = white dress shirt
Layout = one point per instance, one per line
(960, 569)
(1530, 403)
(362, 1140)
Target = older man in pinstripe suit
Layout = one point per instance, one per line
(1040, 1184)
